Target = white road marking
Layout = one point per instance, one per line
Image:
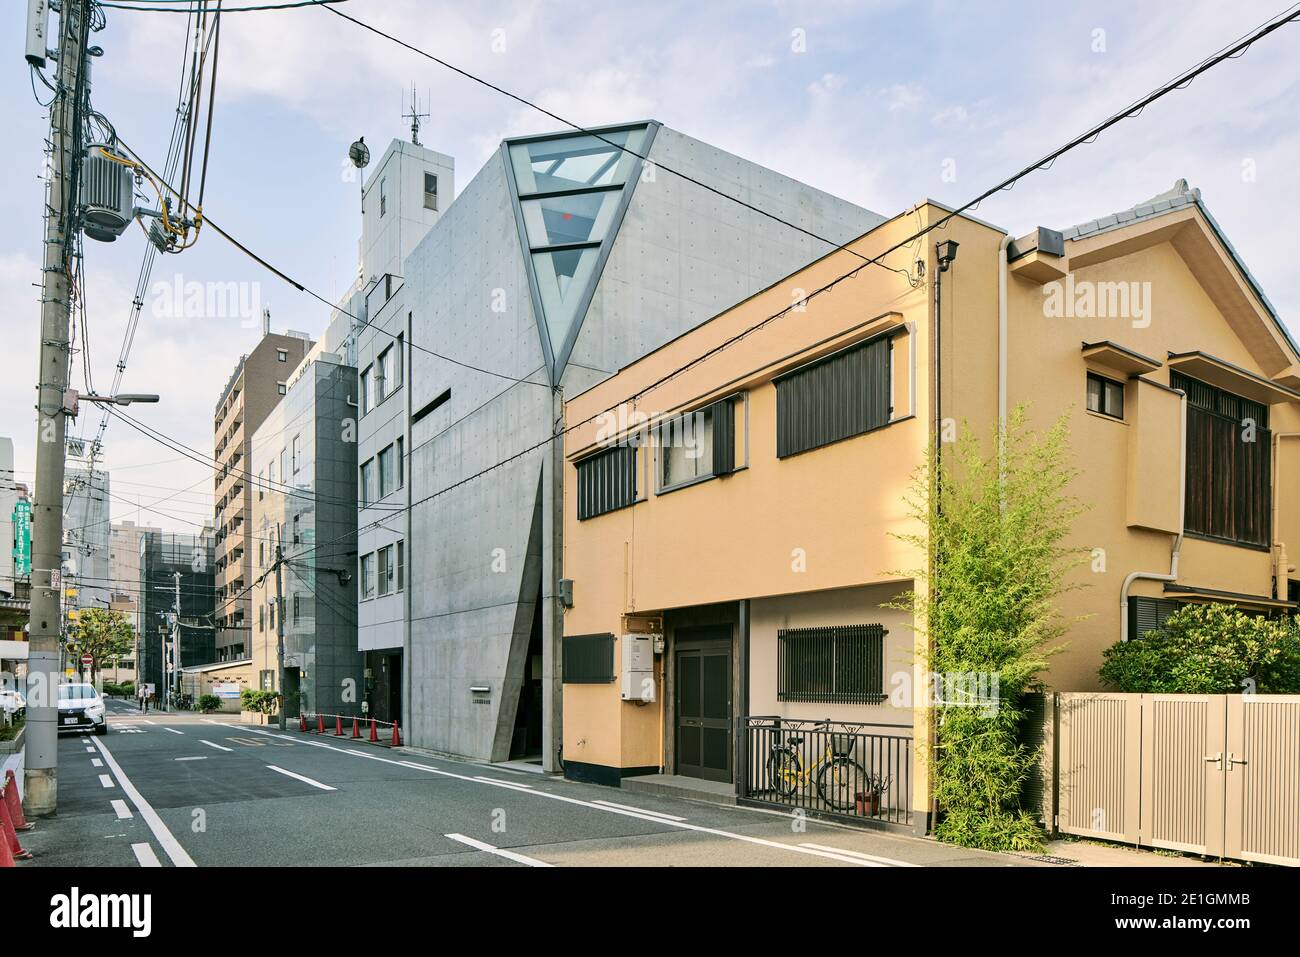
(120, 808)
(96, 763)
(213, 744)
(173, 731)
(499, 852)
(105, 780)
(504, 784)
(145, 721)
(145, 856)
(641, 815)
(640, 810)
(303, 778)
(199, 757)
(163, 836)
(881, 861)
(90, 748)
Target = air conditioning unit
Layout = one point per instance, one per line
(107, 206)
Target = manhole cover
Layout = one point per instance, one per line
(1052, 859)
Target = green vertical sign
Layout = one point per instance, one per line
(22, 519)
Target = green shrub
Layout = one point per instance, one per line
(209, 702)
(1209, 649)
(997, 534)
(263, 702)
(110, 689)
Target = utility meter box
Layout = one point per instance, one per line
(637, 673)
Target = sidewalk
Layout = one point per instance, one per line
(1085, 853)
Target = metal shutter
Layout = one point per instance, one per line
(843, 395)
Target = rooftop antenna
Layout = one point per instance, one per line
(415, 116)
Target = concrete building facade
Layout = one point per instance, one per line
(87, 531)
(404, 197)
(163, 557)
(309, 443)
(255, 387)
(565, 258)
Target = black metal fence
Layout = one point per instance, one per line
(860, 772)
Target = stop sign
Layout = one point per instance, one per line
(87, 660)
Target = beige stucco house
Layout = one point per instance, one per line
(737, 495)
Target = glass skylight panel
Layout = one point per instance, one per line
(575, 162)
(575, 218)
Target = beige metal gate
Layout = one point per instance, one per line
(1217, 775)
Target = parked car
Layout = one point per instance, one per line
(81, 708)
(11, 703)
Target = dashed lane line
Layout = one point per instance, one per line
(105, 780)
(498, 851)
(121, 810)
(877, 861)
(213, 744)
(303, 778)
(96, 763)
(161, 834)
(173, 731)
(145, 856)
(639, 810)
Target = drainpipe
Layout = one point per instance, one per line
(1002, 354)
(1178, 539)
(1279, 548)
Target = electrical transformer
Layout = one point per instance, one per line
(107, 206)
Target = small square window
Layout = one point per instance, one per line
(282, 355)
(1105, 396)
(282, 388)
(430, 191)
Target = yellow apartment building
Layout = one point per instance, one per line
(733, 513)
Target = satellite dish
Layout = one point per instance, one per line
(359, 153)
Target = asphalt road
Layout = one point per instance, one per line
(186, 790)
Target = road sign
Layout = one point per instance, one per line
(88, 659)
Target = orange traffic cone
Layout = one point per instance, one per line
(397, 736)
(6, 855)
(374, 736)
(302, 720)
(356, 728)
(320, 724)
(15, 803)
(10, 835)
(338, 726)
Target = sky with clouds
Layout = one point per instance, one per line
(882, 102)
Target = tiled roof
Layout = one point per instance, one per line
(1180, 197)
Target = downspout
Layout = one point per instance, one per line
(1002, 357)
(1178, 539)
(1280, 564)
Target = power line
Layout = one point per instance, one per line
(1181, 81)
(315, 295)
(577, 127)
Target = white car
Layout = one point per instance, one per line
(81, 708)
(11, 702)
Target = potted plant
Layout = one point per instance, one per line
(868, 799)
(209, 703)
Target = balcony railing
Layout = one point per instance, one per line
(859, 772)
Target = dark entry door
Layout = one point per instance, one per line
(292, 690)
(703, 694)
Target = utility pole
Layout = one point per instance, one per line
(279, 627)
(176, 633)
(41, 776)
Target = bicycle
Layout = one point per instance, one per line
(839, 776)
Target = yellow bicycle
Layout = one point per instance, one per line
(840, 778)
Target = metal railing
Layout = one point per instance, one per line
(859, 772)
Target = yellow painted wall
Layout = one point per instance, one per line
(799, 535)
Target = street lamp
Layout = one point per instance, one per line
(72, 399)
